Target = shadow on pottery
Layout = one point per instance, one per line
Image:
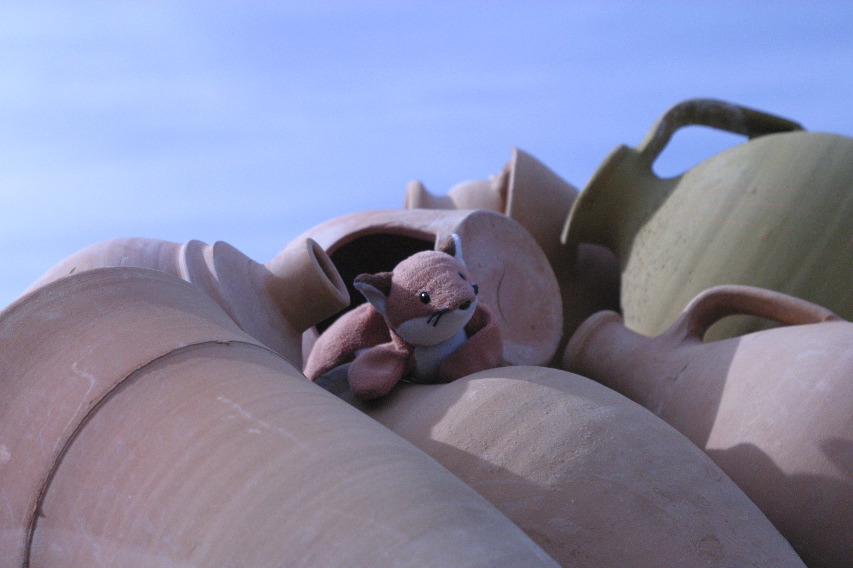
(823, 502)
(773, 212)
(592, 477)
(141, 427)
(530, 193)
(515, 280)
(784, 391)
(274, 303)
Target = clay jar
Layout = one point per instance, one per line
(532, 194)
(592, 477)
(773, 212)
(515, 279)
(274, 303)
(773, 408)
(141, 427)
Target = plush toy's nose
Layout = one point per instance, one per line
(465, 305)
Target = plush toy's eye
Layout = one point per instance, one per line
(462, 276)
(425, 297)
(476, 289)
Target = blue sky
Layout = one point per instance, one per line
(251, 122)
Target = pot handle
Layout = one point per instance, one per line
(714, 113)
(718, 302)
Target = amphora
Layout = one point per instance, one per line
(140, 427)
(773, 408)
(274, 302)
(773, 212)
(591, 476)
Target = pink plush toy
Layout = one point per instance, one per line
(422, 322)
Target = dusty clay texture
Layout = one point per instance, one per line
(592, 477)
(772, 408)
(773, 212)
(530, 193)
(275, 303)
(141, 427)
(515, 280)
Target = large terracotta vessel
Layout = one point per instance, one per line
(274, 303)
(773, 212)
(515, 279)
(140, 427)
(530, 193)
(592, 477)
(773, 408)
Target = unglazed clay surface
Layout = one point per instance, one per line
(773, 408)
(773, 212)
(530, 193)
(592, 477)
(142, 427)
(154, 412)
(275, 303)
(515, 280)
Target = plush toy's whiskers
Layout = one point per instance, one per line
(434, 318)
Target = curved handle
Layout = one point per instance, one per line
(718, 302)
(714, 113)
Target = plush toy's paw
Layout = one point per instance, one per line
(335, 380)
(375, 371)
(483, 349)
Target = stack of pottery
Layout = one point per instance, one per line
(761, 232)
(154, 412)
(274, 303)
(774, 213)
(139, 426)
(531, 194)
(515, 279)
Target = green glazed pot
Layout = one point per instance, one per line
(774, 212)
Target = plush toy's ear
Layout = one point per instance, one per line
(374, 287)
(453, 246)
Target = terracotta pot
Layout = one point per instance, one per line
(773, 212)
(773, 408)
(592, 477)
(141, 427)
(275, 303)
(526, 190)
(532, 194)
(515, 279)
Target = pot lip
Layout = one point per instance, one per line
(573, 233)
(419, 223)
(538, 344)
(417, 196)
(521, 165)
(582, 336)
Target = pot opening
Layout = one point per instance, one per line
(370, 253)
